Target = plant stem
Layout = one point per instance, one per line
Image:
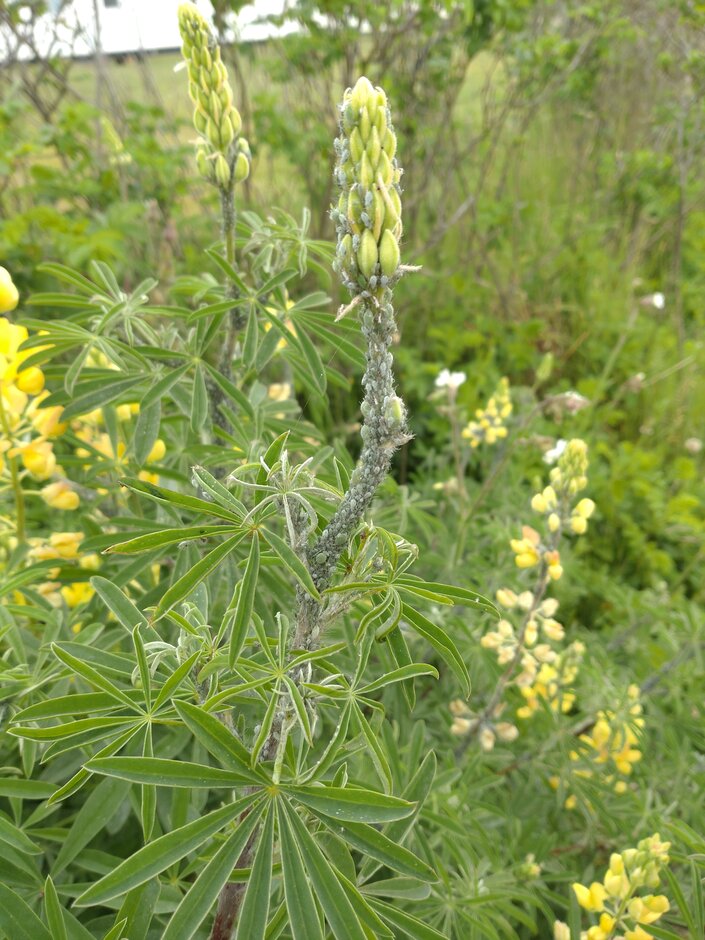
(381, 437)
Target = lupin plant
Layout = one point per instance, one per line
(223, 678)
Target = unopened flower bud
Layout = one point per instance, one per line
(242, 168)
(367, 253)
(388, 254)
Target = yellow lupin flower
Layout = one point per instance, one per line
(592, 898)
(60, 496)
(9, 295)
(78, 593)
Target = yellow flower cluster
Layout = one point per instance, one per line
(27, 428)
(555, 502)
(610, 748)
(623, 910)
(63, 547)
(529, 551)
(490, 425)
(553, 683)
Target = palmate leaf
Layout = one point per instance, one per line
(175, 500)
(162, 853)
(165, 537)
(199, 900)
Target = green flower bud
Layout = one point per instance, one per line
(347, 252)
(367, 174)
(389, 143)
(361, 93)
(395, 412)
(367, 253)
(354, 211)
(235, 121)
(227, 134)
(205, 166)
(222, 171)
(214, 109)
(356, 145)
(242, 168)
(384, 169)
(381, 123)
(213, 134)
(388, 254)
(365, 125)
(374, 147)
(200, 121)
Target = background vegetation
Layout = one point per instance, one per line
(554, 198)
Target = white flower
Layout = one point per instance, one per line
(657, 301)
(693, 445)
(448, 379)
(574, 401)
(552, 455)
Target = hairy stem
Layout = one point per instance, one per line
(381, 434)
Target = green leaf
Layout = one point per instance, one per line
(154, 858)
(17, 919)
(10, 834)
(313, 360)
(436, 591)
(245, 603)
(55, 916)
(199, 401)
(100, 394)
(291, 561)
(352, 804)
(333, 899)
(162, 386)
(154, 540)
(26, 789)
(97, 810)
(441, 642)
(146, 430)
(71, 729)
(178, 500)
(175, 680)
(219, 742)
(399, 675)
(120, 605)
(411, 926)
(164, 772)
(373, 843)
(200, 898)
(232, 391)
(401, 656)
(93, 677)
(304, 920)
(252, 922)
(186, 584)
(115, 933)
(77, 704)
(272, 454)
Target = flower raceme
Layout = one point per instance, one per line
(624, 912)
(489, 426)
(223, 157)
(368, 212)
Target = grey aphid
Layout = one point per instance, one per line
(373, 282)
(366, 220)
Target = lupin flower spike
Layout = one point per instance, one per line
(223, 157)
(368, 213)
